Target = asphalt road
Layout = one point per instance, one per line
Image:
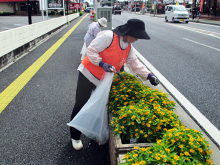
(187, 55)
(33, 126)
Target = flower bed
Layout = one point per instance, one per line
(178, 146)
(138, 111)
(147, 115)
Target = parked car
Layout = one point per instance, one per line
(116, 10)
(88, 9)
(137, 9)
(176, 13)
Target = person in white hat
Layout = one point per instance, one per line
(94, 29)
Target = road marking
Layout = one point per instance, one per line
(213, 34)
(5, 28)
(19, 24)
(202, 44)
(15, 87)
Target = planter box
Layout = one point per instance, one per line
(120, 157)
(116, 148)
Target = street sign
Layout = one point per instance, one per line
(74, 6)
(55, 4)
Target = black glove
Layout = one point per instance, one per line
(153, 80)
(107, 67)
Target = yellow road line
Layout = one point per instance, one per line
(14, 88)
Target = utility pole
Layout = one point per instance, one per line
(135, 5)
(154, 7)
(67, 6)
(29, 12)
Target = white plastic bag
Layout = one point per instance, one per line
(83, 51)
(92, 119)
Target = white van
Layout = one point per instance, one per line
(176, 13)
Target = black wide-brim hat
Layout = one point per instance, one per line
(134, 28)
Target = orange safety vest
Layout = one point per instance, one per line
(113, 55)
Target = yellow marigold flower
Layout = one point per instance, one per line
(191, 150)
(141, 131)
(116, 129)
(120, 117)
(135, 155)
(116, 99)
(163, 156)
(120, 132)
(158, 158)
(122, 127)
(145, 135)
(173, 162)
(181, 154)
(126, 156)
(133, 117)
(200, 150)
(180, 146)
(131, 135)
(211, 151)
(136, 147)
(176, 157)
(186, 153)
(164, 160)
(173, 141)
(136, 130)
(159, 141)
(148, 125)
(112, 122)
(132, 123)
(130, 160)
(136, 134)
(167, 149)
(142, 162)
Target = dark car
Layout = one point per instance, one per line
(88, 9)
(137, 9)
(116, 10)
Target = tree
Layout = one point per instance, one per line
(87, 4)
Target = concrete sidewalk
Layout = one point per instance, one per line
(197, 20)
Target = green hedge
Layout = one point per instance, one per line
(6, 13)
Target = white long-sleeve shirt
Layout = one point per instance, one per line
(94, 29)
(101, 42)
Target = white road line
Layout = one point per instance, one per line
(202, 44)
(197, 115)
(5, 28)
(18, 24)
(213, 34)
